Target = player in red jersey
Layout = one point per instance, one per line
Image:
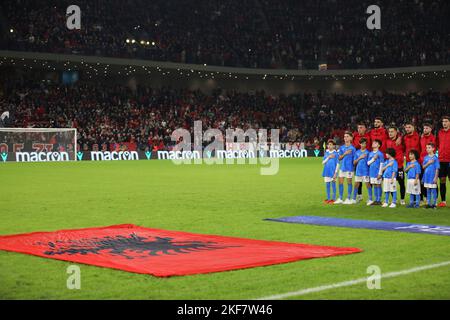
(444, 157)
(411, 139)
(426, 138)
(379, 132)
(399, 157)
(357, 136)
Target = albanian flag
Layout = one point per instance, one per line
(161, 253)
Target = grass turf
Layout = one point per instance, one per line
(230, 200)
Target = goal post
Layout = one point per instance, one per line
(38, 144)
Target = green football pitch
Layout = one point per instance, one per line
(230, 200)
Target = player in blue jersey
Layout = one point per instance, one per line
(330, 169)
(389, 171)
(413, 172)
(362, 169)
(346, 154)
(431, 167)
(376, 158)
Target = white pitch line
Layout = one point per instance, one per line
(353, 282)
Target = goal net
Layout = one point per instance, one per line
(38, 144)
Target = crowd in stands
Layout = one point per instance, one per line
(246, 33)
(147, 116)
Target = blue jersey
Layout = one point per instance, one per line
(347, 161)
(391, 169)
(330, 165)
(374, 167)
(416, 170)
(430, 172)
(362, 168)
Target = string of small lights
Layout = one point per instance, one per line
(99, 69)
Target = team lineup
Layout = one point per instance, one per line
(377, 159)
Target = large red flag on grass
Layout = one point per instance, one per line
(161, 253)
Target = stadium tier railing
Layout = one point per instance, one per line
(72, 58)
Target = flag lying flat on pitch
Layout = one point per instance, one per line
(161, 253)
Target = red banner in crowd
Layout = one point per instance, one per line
(123, 146)
(160, 252)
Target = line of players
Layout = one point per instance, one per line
(383, 166)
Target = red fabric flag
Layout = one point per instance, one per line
(161, 253)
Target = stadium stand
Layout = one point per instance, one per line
(108, 114)
(248, 33)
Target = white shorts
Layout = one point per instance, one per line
(362, 179)
(411, 188)
(345, 174)
(375, 181)
(430, 185)
(327, 179)
(388, 186)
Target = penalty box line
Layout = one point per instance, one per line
(353, 282)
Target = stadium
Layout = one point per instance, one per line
(224, 150)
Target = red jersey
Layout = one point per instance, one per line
(411, 141)
(424, 140)
(399, 151)
(357, 137)
(444, 145)
(379, 134)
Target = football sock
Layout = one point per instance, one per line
(435, 195)
(443, 188)
(355, 192)
(328, 185)
(333, 186)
